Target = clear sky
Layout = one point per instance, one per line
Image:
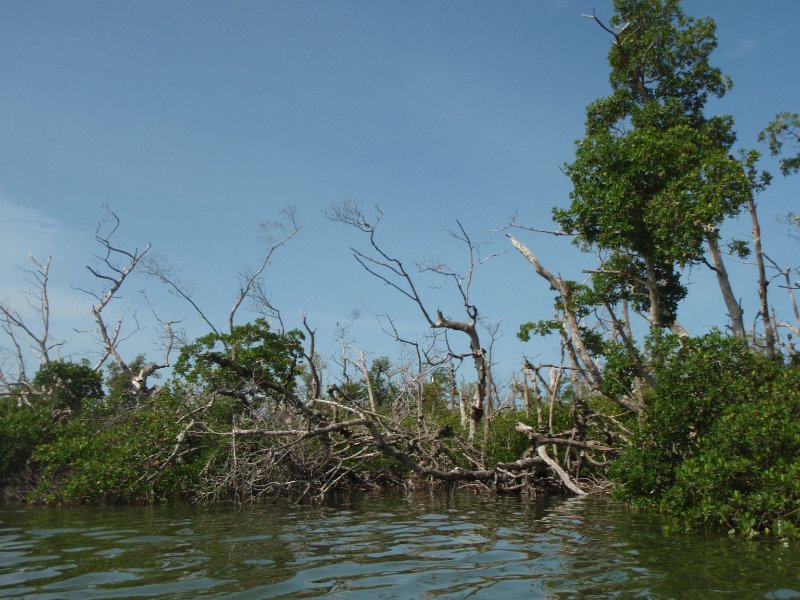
(197, 120)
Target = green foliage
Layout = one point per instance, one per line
(505, 444)
(720, 442)
(67, 385)
(619, 371)
(119, 460)
(436, 392)
(22, 429)
(24, 426)
(355, 392)
(739, 248)
(538, 328)
(652, 171)
(746, 472)
(384, 389)
(660, 346)
(244, 364)
(783, 129)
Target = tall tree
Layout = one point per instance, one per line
(653, 174)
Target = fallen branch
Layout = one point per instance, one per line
(565, 479)
(538, 440)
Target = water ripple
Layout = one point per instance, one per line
(380, 547)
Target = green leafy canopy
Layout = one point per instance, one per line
(653, 175)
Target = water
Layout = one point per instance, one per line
(379, 547)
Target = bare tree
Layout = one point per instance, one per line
(393, 272)
(116, 265)
(251, 282)
(17, 329)
(735, 312)
(763, 283)
(790, 286)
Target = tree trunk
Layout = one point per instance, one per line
(483, 391)
(734, 308)
(463, 407)
(769, 334)
(419, 393)
(656, 319)
(370, 392)
(453, 389)
(570, 320)
(473, 421)
(638, 381)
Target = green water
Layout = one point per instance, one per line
(381, 547)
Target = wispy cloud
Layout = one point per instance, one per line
(23, 232)
(744, 46)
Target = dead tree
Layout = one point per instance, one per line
(267, 448)
(735, 312)
(251, 284)
(594, 376)
(392, 271)
(763, 283)
(116, 265)
(16, 329)
(786, 273)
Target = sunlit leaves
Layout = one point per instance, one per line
(784, 130)
(653, 174)
(239, 363)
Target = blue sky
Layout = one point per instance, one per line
(197, 120)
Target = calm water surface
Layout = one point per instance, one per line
(381, 547)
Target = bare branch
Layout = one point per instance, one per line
(250, 279)
(558, 284)
(115, 274)
(39, 301)
(156, 267)
(513, 224)
(310, 359)
(384, 267)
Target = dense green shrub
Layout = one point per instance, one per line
(719, 442)
(27, 422)
(505, 444)
(746, 472)
(242, 363)
(23, 428)
(119, 459)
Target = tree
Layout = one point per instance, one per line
(392, 272)
(653, 176)
(67, 385)
(15, 329)
(436, 391)
(380, 376)
(784, 132)
(250, 364)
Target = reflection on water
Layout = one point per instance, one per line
(372, 547)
